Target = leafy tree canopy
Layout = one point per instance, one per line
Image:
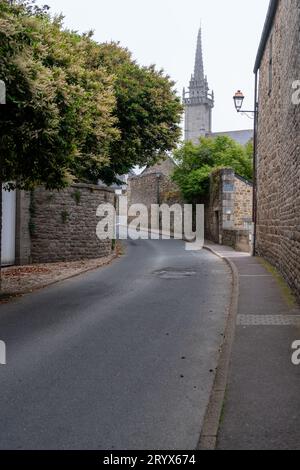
(148, 111)
(197, 162)
(59, 113)
(76, 109)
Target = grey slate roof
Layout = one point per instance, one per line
(241, 137)
(165, 166)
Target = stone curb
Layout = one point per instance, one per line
(211, 424)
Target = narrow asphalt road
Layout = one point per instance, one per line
(119, 358)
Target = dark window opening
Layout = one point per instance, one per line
(271, 66)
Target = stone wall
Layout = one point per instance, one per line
(151, 189)
(229, 206)
(143, 190)
(63, 224)
(278, 199)
(237, 239)
(243, 202)
(155, 186)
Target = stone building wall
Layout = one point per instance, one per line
(152, 189)
(164, 167)
(237, 239)
(155, 186)
(228, 206)
(278, 156)
(228, 210)
(63, 224)
(243, 203)
(143, 190)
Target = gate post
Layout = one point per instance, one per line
(2, 102)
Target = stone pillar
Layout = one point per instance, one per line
(23, 242)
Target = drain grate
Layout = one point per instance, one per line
(268, 320)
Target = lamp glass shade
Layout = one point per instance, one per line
(238, 100)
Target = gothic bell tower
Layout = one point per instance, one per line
(198, 102)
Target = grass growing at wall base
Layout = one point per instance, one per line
(284, 287)
(5, 298)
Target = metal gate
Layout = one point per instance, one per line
(8, 239)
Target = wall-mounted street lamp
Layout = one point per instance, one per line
(238, 103)
(238, 100)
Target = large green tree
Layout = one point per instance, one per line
(148, 111)
(77, 109)
(59, 120)
(197, 162)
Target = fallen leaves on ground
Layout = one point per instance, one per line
(24, 271)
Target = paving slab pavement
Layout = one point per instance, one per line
(262, 402)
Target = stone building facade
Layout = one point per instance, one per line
(154, 186)
(278, 141)
(54, 226)
(228, 210)
(228, 207)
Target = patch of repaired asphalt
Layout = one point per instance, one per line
(174, 273)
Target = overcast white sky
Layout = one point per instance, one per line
(164, 32)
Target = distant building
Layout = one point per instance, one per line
(121, 188)
(228, 210)
(199, 102)
(241, 137)
(278, 140)
(154, 185)
(164, 167)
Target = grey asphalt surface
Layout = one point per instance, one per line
(119, 358)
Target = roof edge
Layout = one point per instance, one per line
(266, 32)
(244, 180)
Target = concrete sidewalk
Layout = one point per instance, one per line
(262, 401)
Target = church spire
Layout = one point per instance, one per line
(198, 101)
(199, 68)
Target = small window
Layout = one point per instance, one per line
(271, 66)
(228, 188)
